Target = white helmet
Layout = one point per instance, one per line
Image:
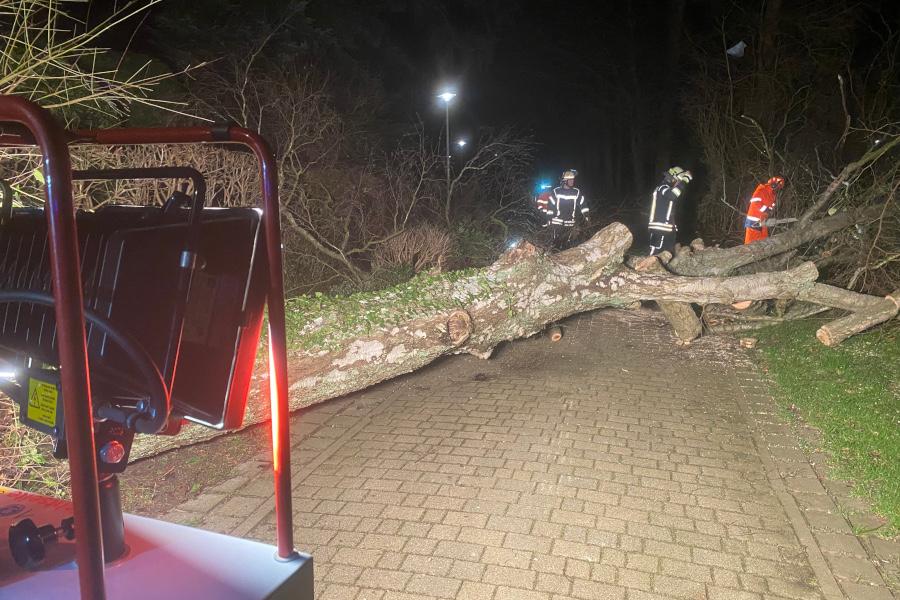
(680, 174)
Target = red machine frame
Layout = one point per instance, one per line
(43, 131)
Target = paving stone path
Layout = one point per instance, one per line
(612, 465)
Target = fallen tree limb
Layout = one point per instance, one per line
(724, 261)
(684, 320)
(835, 297)
(867, 311)
(724, 319)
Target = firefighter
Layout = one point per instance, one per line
(662, 209)
(566, 206)
(761, 206)
(542, 200)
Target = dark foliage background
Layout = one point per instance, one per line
(345, 91)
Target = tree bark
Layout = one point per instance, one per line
(669, 97)
(684, 320)
(866, 311)
(637, 123)
(768, 35)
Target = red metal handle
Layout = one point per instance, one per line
(66, 278)
(278, 383)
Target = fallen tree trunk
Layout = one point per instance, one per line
(344, 344)
(526, 291)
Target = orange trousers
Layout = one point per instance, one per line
(755, 235)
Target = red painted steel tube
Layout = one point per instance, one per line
(278, 384)
(75, 379)
(130, 136)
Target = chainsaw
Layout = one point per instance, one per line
(775, 222)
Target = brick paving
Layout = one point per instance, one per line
(612, 465)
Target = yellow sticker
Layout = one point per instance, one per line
(42, 398)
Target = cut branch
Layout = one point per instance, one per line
(866, 311)
(684, 320)
(723, 261)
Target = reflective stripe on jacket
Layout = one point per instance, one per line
(662, 208)
(761, 206)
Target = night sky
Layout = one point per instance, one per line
(557, 71)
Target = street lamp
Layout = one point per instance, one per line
(447, 96)
(461, 143)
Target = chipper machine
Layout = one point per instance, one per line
(133, 320)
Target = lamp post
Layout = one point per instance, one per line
(447, 96)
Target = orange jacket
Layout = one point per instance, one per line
(761, 206)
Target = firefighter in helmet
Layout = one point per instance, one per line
(542, 200)
(566, 206)
(762, 204)
(662, 225)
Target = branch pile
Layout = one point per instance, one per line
(776, 252)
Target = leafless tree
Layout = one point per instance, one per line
(341, 201)
(793, 107)
(494, 180)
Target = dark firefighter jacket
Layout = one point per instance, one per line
(662, 209)
(565, 205)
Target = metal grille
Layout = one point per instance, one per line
(24, 265)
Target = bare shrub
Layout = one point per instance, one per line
(493, 184)
(422, 247)
(53, 60)
(25, 456)
(231, 175)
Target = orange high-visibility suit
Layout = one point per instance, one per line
(761, 206)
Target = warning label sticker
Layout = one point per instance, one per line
(42, 399)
